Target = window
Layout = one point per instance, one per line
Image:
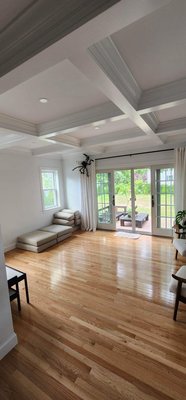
(50, 188)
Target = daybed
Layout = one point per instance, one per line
(43, 238)
(64, 223)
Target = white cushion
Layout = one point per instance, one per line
(63, 222)
(59, 229)
(174, 283)
(37, 238)
(180, 245)
(64, 215)
(69, 211)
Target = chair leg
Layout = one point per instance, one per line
(176, 308)
(176, 255)
(178, 293)
(18, 297)
(26, 289)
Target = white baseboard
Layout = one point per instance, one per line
(11, 246)
(8, 345)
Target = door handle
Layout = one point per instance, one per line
(113, 200)
(152, 201)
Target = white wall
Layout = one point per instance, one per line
(8, 338)
(72, 183)
(20, 195)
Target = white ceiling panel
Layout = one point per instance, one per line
(65, 87)
(154, 48)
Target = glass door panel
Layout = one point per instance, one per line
(123, 196)
(142, 189)
(105, 200)
(164, 210)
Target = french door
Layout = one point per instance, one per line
(133, 190)
(136, 200)
(105, 200)
(163, 206)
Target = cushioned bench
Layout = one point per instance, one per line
(43, 238)
(63, 232)
(180, 246)
(36, 241)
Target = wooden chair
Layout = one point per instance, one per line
(178, 286)
(14, 293)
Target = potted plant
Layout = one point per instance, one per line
(181, 219)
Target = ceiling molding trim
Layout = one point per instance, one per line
(176, 125)
(68, 141)
(115, 80)
(113, 137)
(17, 125)
(55, 148)
(165, 96)
(109, 59)
(85, 117)
(152, 120)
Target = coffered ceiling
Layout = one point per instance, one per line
(113, 74)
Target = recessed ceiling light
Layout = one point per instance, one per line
(97, 127)
(43, 100)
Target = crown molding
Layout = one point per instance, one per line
(113, 137)
(152, 120)
(67, 141)
(17, 125)
(109, 59)
(176, 125)
(116, 81)
(165, 96)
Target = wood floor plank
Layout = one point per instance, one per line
(99, 326)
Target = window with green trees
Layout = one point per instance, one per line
(50, 188)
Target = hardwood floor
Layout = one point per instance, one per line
(99, 325)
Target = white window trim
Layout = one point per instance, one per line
(50, 169)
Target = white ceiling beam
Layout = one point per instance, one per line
(173, 126)
(122, 14)
(107, 56)
(85, 117)
(42, 23)
(110, 73)
(112, 137)
(165, 96)
(152, 120)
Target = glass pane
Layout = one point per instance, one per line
(49, 199)
(122, 181)
(104, 200)
(122, 184)
(48, 180)
(165, 198)
(142, 187)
